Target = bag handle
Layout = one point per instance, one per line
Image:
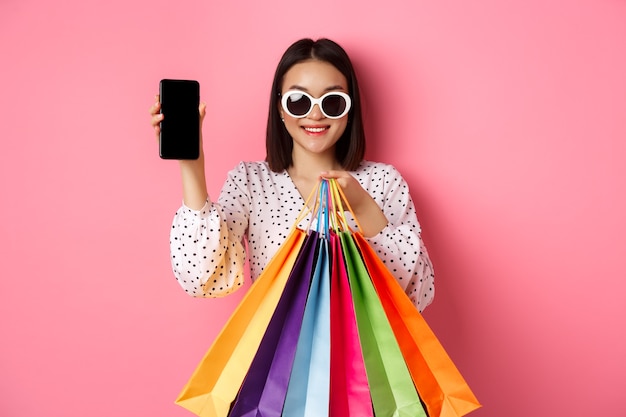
(328, 208)
(307, 209)
(321, 208)
(339, 198)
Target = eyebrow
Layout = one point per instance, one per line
(331, 88)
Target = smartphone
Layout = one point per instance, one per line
(180, 127)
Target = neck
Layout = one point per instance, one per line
(309, 167)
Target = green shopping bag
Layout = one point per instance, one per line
(391, 387)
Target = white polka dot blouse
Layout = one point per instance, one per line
(256, 210)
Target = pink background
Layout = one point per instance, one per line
(507, 120)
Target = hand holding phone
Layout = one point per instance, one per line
(180, 128)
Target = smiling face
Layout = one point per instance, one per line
(314, 135)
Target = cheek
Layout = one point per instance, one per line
(291, 125)
(342, 126)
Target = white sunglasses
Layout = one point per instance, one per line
(334, 104)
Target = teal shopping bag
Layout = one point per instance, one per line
(309, 386)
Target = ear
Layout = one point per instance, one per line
(281, 111)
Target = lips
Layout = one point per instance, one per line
(315, 129)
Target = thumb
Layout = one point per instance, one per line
(202, 111)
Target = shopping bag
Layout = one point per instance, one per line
(263, 391)
(309, 385)
(391, 387)
(439, 384)
(349, 389)
(216, 380)
(438, 381)
(380, 364)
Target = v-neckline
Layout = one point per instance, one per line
(295, 188)
(304, 222)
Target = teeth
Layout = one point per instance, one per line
(315, 129)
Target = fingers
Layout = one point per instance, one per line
(156, 107)
(156, 116)
(155, 121)
(352, 189)
(344, 179)
(202, 110)
(334, 174)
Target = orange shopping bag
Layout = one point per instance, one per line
(439, 383)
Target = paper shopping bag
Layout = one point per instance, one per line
(438, 381)
(263, 391)
(214, 384)
(349, 389)
(309, 385)
(391, 387)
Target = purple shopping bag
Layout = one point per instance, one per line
(263, 391)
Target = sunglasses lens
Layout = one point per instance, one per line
(334, 105)
(298, 104)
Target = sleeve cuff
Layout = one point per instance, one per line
(381, 237)
(203, 213)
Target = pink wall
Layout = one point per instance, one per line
(506, 119)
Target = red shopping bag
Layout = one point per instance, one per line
(349, 389)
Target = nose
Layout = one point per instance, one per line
(316, 113)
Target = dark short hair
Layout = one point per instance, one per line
(350, 148)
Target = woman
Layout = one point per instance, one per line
(314, 130)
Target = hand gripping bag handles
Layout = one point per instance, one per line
(439, 383)
(216, 380)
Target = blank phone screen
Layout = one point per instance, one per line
(180, 127)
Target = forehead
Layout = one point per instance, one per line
(315, 77)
